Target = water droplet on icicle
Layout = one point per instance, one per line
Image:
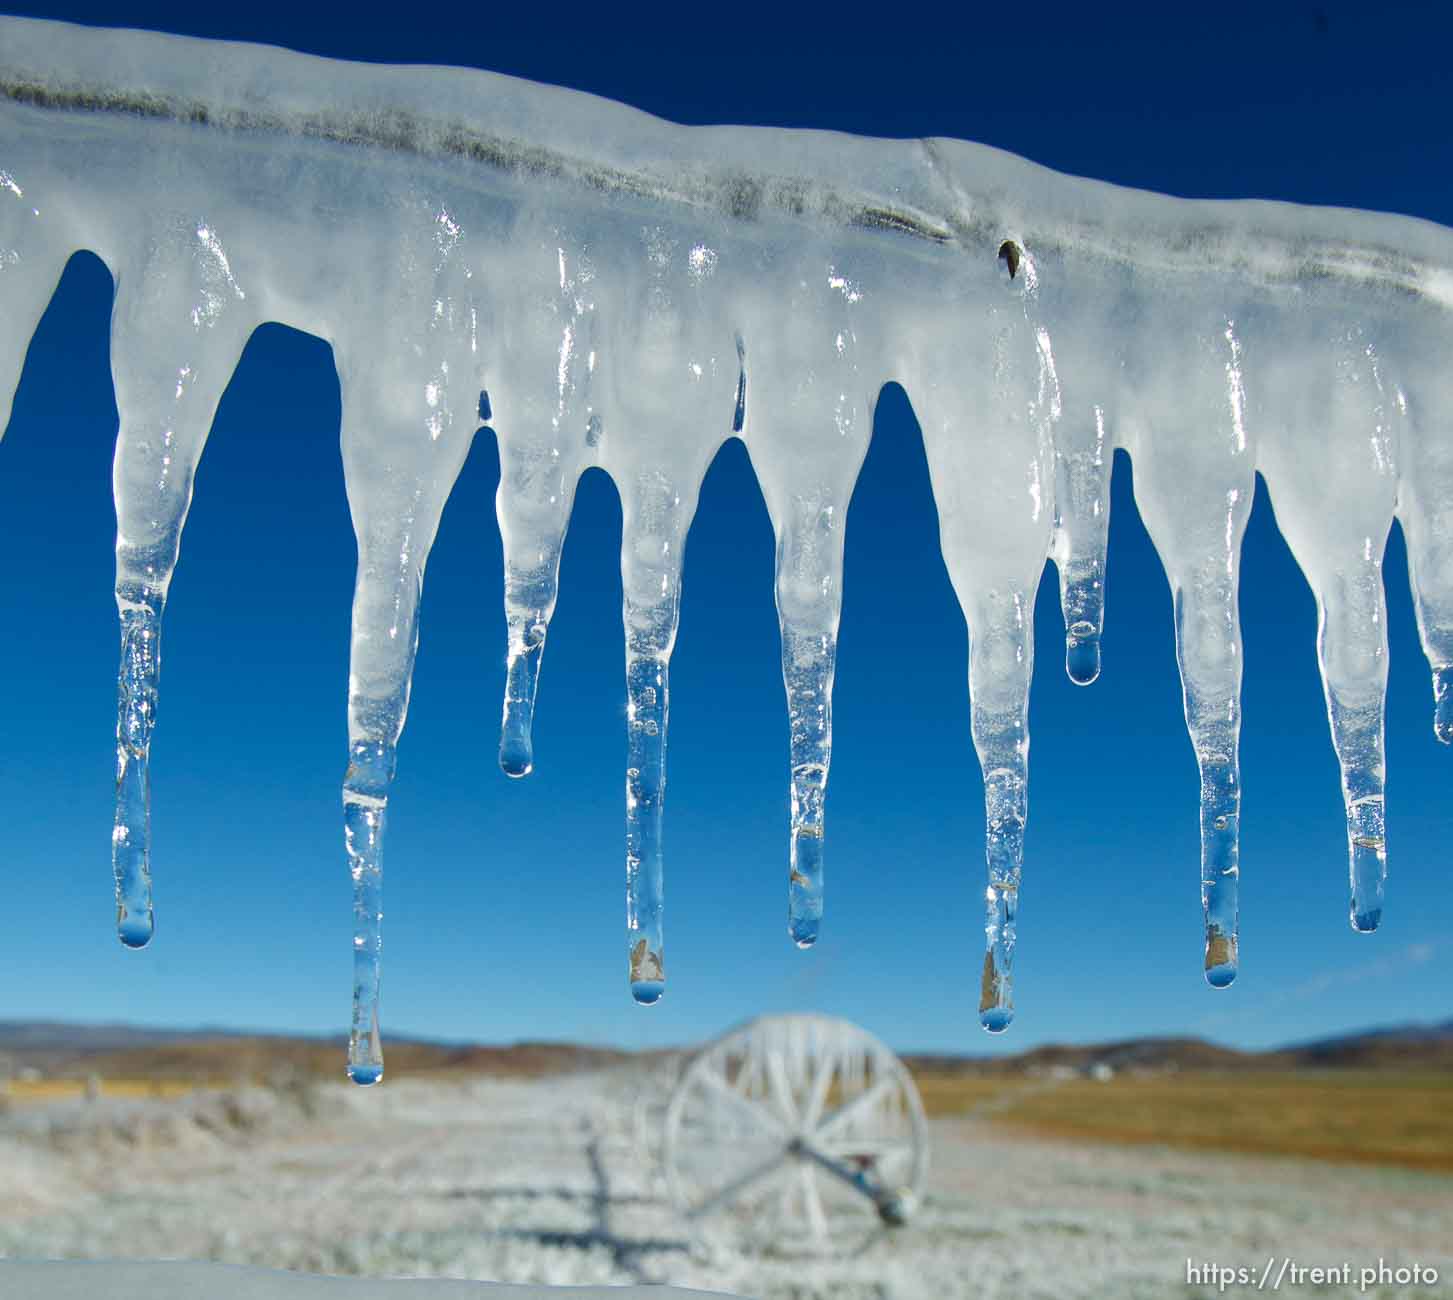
(1083, 462)
(1082, 653)
(1221, 957)
(648, 976)
(532, 518)
(135, 717)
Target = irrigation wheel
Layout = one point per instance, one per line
(796, 1134)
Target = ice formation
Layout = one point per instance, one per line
(614, 290)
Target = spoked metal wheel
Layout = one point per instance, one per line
(795, 1134)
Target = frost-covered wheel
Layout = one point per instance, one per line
(797, 1134)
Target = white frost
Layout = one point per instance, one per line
(127, 1280)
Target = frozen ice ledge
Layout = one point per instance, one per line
(610, 289)
(184, 1280)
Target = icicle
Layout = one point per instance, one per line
(526, 622)
(1335, 511)
(391, 557)
(1352, 649)
(1001, 666)
(672, 390)
(548, 433)
(1193, 485)
(136, 714)
(655, 520)
(532, 575)
(1443, 703)
(32, 253)
(987, 398)
(1208, 650)
(1425, 494)
(365, 805)
(808, 428)
(1083, 460)
(409, 405)
(810, 548)
(1086, 346)
(180, 322)
(595, 266)
(395, 525)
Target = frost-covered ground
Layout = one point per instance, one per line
(545, 1182)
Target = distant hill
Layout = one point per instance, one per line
(122, 1051)
(60, 1049)
(41, 1035)
(1397, 1047)
(1145, 1053)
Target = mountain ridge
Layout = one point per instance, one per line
(63, 1048)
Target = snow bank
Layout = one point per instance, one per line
(187, 1280)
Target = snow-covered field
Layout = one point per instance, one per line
(546, 1182)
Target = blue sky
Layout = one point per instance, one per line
(504, 900)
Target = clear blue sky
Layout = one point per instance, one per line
(504, 900)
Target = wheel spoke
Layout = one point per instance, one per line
(782, 1090)
(821, 1082)
(782, 1217)
(734, 1189)
(862, 1102)
(753, 1112)
(812, 1202)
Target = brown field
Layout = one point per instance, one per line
(228, 1060)
(22, 1092)
(1373, 1100)
(1365, 1116)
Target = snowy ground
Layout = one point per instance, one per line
(545, 1182)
